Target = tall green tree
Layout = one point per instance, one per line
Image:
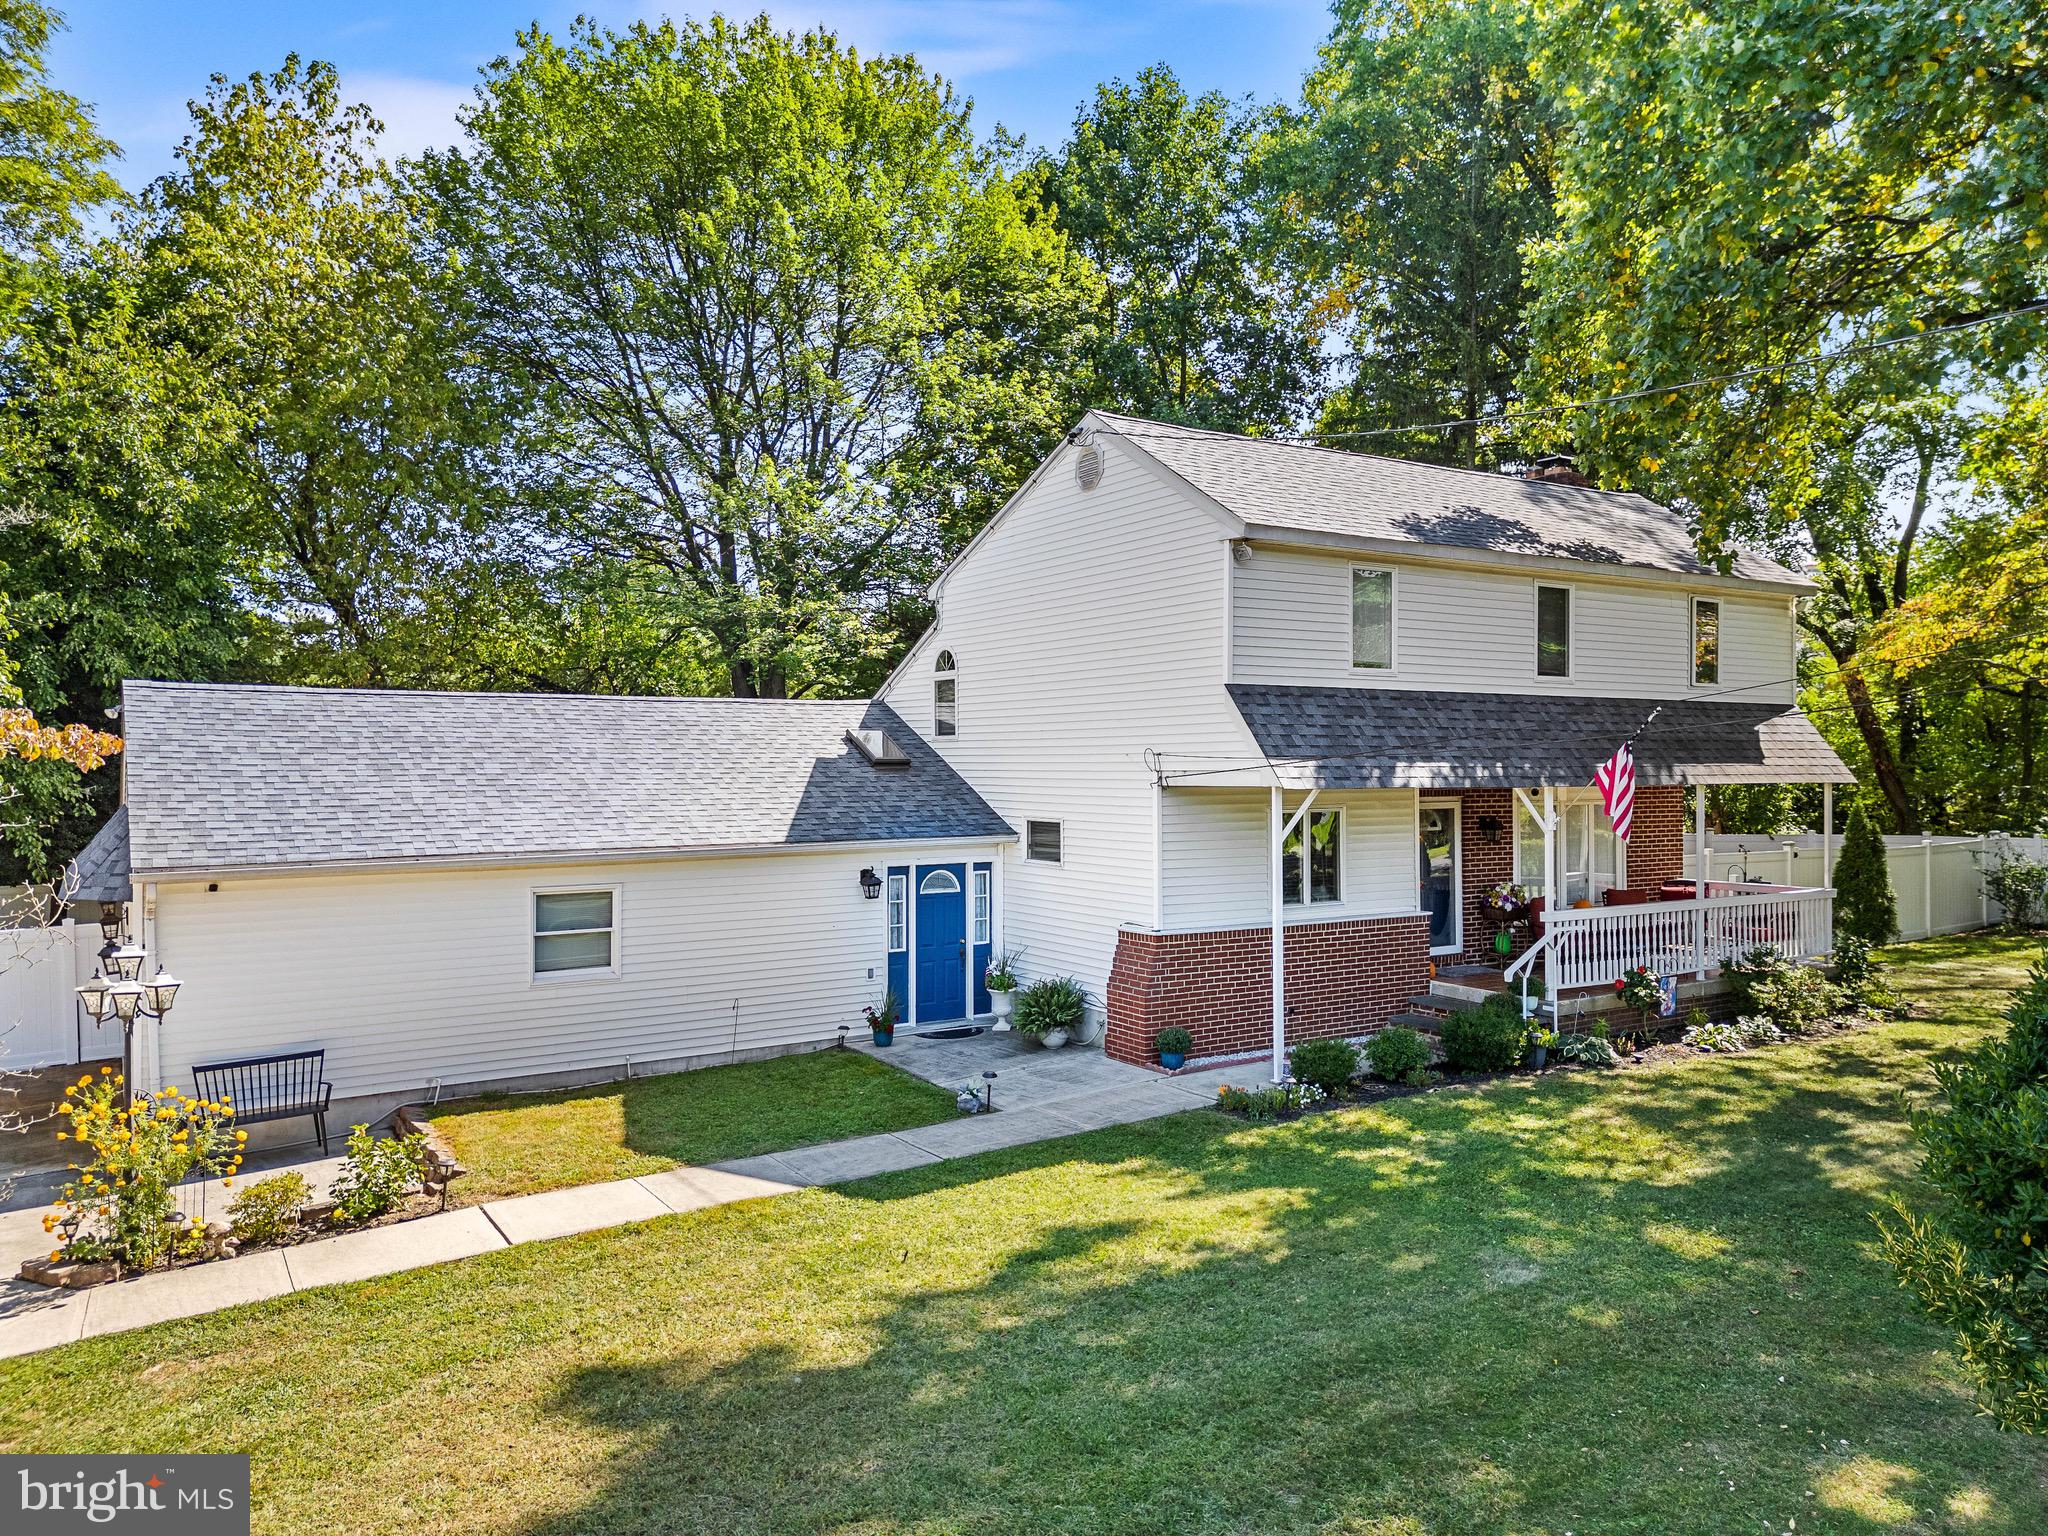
(1196, 322)
(1866, 907)
(283, 265)
(52, 157)
(1418, 169)
(779, 329)
(1743, 185)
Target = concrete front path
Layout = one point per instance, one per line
(1040, 1095)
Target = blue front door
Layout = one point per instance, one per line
(941, 943)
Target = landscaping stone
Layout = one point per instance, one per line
(68, 1275)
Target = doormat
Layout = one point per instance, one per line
(962, 1032)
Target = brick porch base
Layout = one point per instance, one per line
(1343, 978)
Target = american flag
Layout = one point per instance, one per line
(1617, 780)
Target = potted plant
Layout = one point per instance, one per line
(1001, 980)
(1050, 1011)
(1173, 1045)
(881, 1018)
(1643, 990)
(1540, 1042)
(1507, 904)
(1531, 995)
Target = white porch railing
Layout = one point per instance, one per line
(1593, 946)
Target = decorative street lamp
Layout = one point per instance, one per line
(116, 989)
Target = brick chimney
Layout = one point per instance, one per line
(1558, 469)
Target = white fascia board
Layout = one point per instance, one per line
(553, 860)
(1266, 535)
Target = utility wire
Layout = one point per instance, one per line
(1736, 376)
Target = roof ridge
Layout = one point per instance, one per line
(329, 690)
(1493, 476)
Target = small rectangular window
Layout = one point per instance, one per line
(572, 931)
(981, 906)
(946, 707)
(1372, 619)
(1706, 640)
(1042, 842)
(1553, 631)
(899, 913)
(1321, 833)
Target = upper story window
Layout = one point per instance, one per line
(1372, 619)
(1553, 631)
(946, 696)
(1706, 640)
(1042, 842)
(1312, 860)
(573, 931)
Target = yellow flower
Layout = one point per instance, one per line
(61, 1136)
(49, 1224)
(105, 1071)
(226, 1183)
(241, 1135)
(55, 1256)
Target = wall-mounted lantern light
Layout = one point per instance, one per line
(1489, 829)
(870, 884)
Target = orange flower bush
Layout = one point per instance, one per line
(135, 1151)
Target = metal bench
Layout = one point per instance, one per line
(271, 1088)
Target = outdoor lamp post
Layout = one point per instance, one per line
(125, 997)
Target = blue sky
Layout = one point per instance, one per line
(1026, 63)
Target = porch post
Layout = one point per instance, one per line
(1699, 884)
(1827, 834)
(1276, 828)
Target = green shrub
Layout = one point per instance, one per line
(1859, 975)
(1865, 907)
(1489, 1038)
(1329, 1064)
(1173, 1042)
(1978, 1257)
(1397, 1053)
(1793, 997)
(1058, 1002)
(268, 1210)
(376, 1174)
(2019, 885)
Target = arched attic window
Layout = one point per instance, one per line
(946, 696)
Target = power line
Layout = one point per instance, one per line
(1736, 376)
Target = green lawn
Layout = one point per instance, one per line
(1645, 1303)
(521, 1144)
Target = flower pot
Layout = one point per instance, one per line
(1537, 1057)
(885, 1036)
(1173, 1061)
(1002, 1004)
(1053, 1039)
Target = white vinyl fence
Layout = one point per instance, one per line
(1939, 881)
(41, 1023)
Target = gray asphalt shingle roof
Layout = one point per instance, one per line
(100, 872)
(228, 776)
(1389, 738)
(1273, 483)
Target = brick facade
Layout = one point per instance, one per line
(1656, 843)
(1343, 978)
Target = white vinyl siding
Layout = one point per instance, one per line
(1471, 629)
(1218, 870)
(1094, 626)
(433, 967)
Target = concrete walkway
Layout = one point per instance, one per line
(1040, 1095)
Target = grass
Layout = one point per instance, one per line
(522, 1144)
(1646, 1303)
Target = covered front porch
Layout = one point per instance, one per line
(1328, 899)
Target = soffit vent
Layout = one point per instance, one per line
(1088, 466)
(878, 749)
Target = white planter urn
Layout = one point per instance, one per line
(1053, 1039)
(1001, 1004)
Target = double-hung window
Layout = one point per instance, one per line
(1706, 641)
(1553, 631)
(574, 931)
(1312, 860)
(1372, 619)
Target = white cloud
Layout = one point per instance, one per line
(417, 113)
